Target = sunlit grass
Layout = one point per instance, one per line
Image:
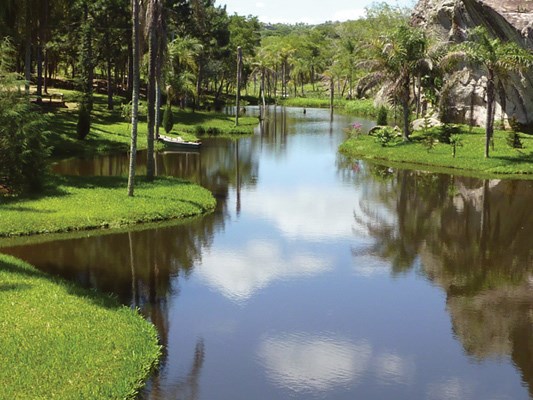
(58, 341)
(79, 203)
(503, 160)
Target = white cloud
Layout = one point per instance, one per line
(305, 214)
(302, 362)
(452, 389)
(391, 368)
(260, 4)
(345, 15)
(238, 273)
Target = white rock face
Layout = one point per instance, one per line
(509, 20)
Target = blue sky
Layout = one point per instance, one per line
(308, 11)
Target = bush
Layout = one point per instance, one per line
(168, 119)
(382, 116)
(23, 140)
(446, 131)
(386, 135)
(514, 141)
(84, 122)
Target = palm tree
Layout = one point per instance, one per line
(393, 62)
(135, 95)
(498, 59)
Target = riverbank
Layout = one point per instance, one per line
(504, 161)
(82, 203)
(359, 107)
(111, 129)
(63, 342)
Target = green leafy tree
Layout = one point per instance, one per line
(394, 61)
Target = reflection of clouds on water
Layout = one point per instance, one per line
(452, 389)
(239, 273)
(304, 362)
(367, 265)
(304, 213)
(391, 368)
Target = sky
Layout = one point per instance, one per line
(306, 11)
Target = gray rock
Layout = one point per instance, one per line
(509, 20)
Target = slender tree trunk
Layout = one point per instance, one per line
(331, 95)
(239, 76)
(152, 55)
(405, 108)
(157, 109)
(135, 95)
(109, 85)
(27, 59)
(489, 128)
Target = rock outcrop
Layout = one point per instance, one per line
(509, 20)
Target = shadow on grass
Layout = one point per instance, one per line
(8, 287)
(17, 267)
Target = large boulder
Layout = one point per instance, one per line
(509, 20)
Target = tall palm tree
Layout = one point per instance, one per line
(393, 62)
(135, 95)
(498, 59)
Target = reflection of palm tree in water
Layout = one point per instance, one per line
(186, 388)
(473, 239)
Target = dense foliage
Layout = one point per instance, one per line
(23, 150)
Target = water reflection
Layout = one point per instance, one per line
(473, 238)
(321, 277)
(240, 272)
(303, 362)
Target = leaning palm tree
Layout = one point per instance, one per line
(393, 62)
(498, 59)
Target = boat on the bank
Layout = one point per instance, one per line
(178, 142)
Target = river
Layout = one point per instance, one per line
(319, 277)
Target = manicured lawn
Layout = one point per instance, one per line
(78, 203)
(360, 107)
(59, 341)
(110, 130)
(503, 161)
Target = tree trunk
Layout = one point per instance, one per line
(331, 95)
(239, 76)
(152, 56)
(135, 95)
(109, 85)
(27, 59)
(489, 128)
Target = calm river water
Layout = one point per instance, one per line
(319, 277)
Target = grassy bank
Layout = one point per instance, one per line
(362, 108)
(62, 342)
(110, 130)
(79, 203)
(503, 161)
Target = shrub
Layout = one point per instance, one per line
(168, 119)
(382, 116)
(386, 135)
(514, 141)
(23, 139)
(446, 131)
(84, 122)
(455, 141)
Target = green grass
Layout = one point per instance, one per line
(59, 341)
(503, 162)
(81, 203)
(363, 108)
(110, 131)
(211, 123)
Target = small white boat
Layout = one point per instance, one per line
(178, 142)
